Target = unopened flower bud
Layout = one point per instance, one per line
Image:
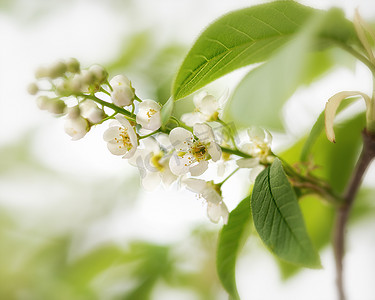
(72, 65)
(57, 70)
(75, 83)
(56, 107)
(73, 112)
(99, 72)
(32, 88)
(42, 102)
(91, 111)
(62, 88)
(76, 127)
(87, 77)
(41, 72)
(123, 92)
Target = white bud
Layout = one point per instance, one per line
(41, 72)
(56, 106)
(99, 72)
(73, 112)
(75, 83)
(123, 92)
(72, 65)
(57, 70)
(42, 102)
(91, 111)
(87, 77)
(76, 127)
(32, 88)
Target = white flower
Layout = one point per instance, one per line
(149, 115)
(259, 145)
(76, 127)
(206, 109)
(153, 165)
(211, 192)
(193, 151)
(91, 111)
(121, 138)
(123, 92)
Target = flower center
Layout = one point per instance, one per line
(151, 112)
(155, 160)
(124, 139)
(199, 151)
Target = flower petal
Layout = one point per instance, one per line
(215, 211)
(190, 119)
(111, 133)
(199, 169)
(180, 138)
(208, 105)
(116, 149)
(179, 165)
(247, 162)
(203, 132)
(195, 185)
(215, 151)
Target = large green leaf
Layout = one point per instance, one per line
(278, 218)
(238, 39)
(230, 241)
(264, 90)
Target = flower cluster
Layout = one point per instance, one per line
(163, 151)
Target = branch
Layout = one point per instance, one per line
(367, 155)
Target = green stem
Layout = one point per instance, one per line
(235, 152)
(231, 136)
(116, 108)
(150, 134)
(359, 56)
(229, 176)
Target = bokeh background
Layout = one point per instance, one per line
(74, 221)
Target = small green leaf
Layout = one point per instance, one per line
(230, 241)
(238, 39)
(278, 218)
(166, 111)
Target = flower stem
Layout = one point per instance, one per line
(229, 176)
(116, 108)
(367, 155)
(150, 134)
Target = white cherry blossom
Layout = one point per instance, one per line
(148, 115)
(193, 151)
(123, 92)
(121, 138)
(153, 165)
(211, 193)
(207, 108)
(259, 144)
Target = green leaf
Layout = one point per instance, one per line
(230, 241)
(318, 128)
(269, 86)
(166, 111)
(319, 219)
(238, 39)
(278, 218)
(339, 159)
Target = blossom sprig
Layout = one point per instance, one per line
(164, 151)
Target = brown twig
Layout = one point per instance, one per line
(367, 155)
